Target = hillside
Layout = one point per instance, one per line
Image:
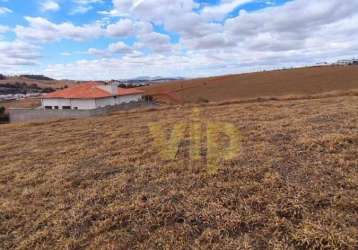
(12, 85)
(24, 103)
(43, 82)
(303, 81)
(103, 183)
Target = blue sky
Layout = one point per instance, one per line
(105, 39)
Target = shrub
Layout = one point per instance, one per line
(47, 90)
(203, 100)
(4, 118)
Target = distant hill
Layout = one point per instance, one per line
(155, 78)
(37, 77)
(40, 81)
(302, 81)
(146, 80)
(22, 88)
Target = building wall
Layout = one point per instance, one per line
(82, 104)
(111, 101)
(128, 99)
(56, 102)
(29, 115)
(39, 114)
(104, 102)
(86, 104)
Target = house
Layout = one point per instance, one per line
(90, 96)
(348, 62)
(343, 62)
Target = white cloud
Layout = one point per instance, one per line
(99, 53)
(124, 27)
(154, 10)
(4, 10)
(294, 25)
(215, 40)
(157, 42)
(218, 12)
(119, 47)
(42, 30)
(117, 68)
(83, 6)
(80, 9)
(86, 2)
(17, 53)
(66, 54)
(113, 49)
(4, 29)
(50, 5)
(295, 33)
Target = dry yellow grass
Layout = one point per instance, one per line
(297, 82)
(24, 103)
(101, 183)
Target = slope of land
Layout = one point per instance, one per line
(11, 85)
(304, 81)
(102, 183)
(44, 84)
(23, 103)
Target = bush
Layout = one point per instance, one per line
(202, 100)
(4, 118)
(47, 90)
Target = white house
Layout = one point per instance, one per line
(348, 62)
(90, 96)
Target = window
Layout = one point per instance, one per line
(48, 107)
(66, 107)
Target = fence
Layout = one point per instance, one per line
(40, 114)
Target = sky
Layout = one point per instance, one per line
(122, 39)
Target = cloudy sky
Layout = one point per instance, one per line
(107, 39)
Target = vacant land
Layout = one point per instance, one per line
(23, 103)
(102, 183)
(301, 82)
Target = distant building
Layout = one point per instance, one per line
(348, 62)
(90, 96)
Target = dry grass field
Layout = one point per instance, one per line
(101, 182)
(301, 82)
(24, 103)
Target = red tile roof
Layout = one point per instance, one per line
(89, 91)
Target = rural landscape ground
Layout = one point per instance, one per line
(296, 82)
(102, 182)
(178, 125)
